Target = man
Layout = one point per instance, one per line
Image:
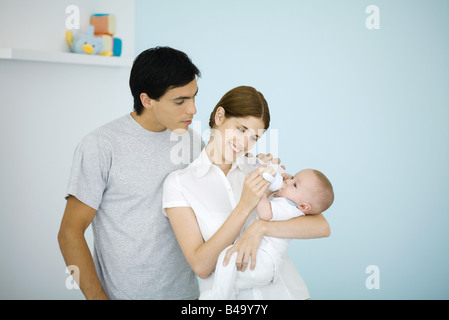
(116, 184)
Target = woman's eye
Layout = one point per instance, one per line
(179, 102)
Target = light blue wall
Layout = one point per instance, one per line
(370, 108)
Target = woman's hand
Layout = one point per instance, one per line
(286, 176)
(266, 158)
(253, 188)
(247, 246)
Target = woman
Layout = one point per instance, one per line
(209, 202)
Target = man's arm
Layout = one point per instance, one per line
(77, 218)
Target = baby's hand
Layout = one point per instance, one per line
(268, 193)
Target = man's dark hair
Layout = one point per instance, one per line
(157, 70)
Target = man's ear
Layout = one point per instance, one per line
(305, 207)
(219, 116)
(146, 101)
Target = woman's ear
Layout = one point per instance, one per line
(146, 100)
(219, 116)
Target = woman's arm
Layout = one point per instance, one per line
(303, 227)
(202, 256)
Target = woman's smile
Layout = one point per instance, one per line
(234, 148)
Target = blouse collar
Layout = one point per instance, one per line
(204, 164)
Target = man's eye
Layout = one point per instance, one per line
(179, 102)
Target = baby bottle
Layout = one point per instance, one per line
(276, 180)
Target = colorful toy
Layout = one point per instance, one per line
(105, 27)
(98, 38)
(111, 46)
(85, 42)
(103, 23)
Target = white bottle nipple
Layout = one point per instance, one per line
(276, 180)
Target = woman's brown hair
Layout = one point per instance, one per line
(243, 101)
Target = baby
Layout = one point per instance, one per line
(307, 192)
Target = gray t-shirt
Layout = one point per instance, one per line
(119, 170)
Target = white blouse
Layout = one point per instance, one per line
(212, 196)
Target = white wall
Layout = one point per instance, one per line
(45, 109)
(41, 24)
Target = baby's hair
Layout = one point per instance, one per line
(326, 192)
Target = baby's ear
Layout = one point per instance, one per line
(305, 207)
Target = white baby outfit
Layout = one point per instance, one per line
(272, 251)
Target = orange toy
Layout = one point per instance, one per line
(104, 24)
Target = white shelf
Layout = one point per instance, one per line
(63, 57)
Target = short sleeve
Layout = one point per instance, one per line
(89, 173)
(282, 210)
(173, 196)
